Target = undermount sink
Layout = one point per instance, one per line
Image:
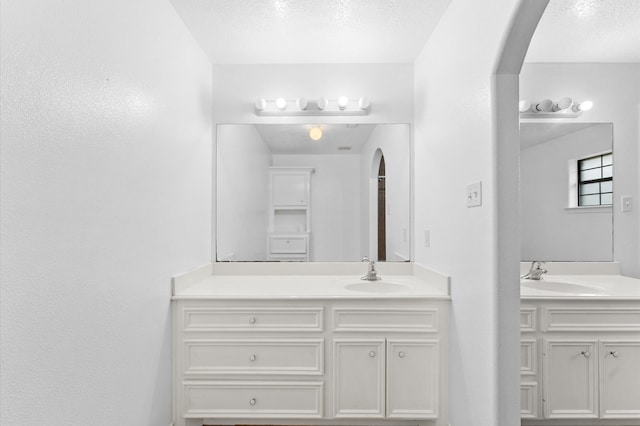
(382, 286)
(560, 287)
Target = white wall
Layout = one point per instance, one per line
(551, 231)
(392, 141)
(455, 145)
(615, 91)
(243, 161)
(106, 164)
(335, 204)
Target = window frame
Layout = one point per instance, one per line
(599, 181)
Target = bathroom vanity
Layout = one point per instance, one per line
(580, 350)
(310, 348)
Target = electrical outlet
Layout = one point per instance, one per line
(627, 205)
(427, 238)
(474, 194)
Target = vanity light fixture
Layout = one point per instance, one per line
(315, 133)
(564, 108)
(318, 106)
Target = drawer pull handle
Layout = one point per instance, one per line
(372, 354)
(402, 354)
(586, 354)
(252, 320)
(615, 354)
(252, 401)
(252, 358)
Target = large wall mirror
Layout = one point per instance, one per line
(567, 184)
(313, 193)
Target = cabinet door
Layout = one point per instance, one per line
(358, 377)
(290, 189)
(569, 385)
(412, 378)
(620, 379)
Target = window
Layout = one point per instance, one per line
(595, 180)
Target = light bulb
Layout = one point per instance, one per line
(543, 106)
(583, 106)
(260, 104)
(301, 103)
(315, 133)
(322, 103)
(363, 102)
(563, 103)
(524, 105)
(281, 103)
(343, 101)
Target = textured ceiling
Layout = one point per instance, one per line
(311, 31)
(587, 31)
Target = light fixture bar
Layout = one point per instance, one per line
(312, 107)
(546, 108)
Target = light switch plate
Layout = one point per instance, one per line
(627, 205)
(474, 194)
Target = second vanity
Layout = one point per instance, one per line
(311, 348)
(580, 347)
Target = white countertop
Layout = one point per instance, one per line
(201, 284)
(581, 287)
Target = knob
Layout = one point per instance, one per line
(252, 320)
(615, 354)
(372, 354)
(401, 354)
(586, 354)
(252, 401)
(252, 358)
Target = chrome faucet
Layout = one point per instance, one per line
(535, 272)
(371, 275)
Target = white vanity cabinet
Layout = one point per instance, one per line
(304, 361)
(580, 360)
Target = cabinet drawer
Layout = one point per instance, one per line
(253, 319)
(253, 399)
(287, 244)
(398, 320)
(268, 356)
(591, 319)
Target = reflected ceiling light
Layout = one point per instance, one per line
(322, 103)
(524, 105)
(343, 101)
(281, 103)
(364, 103)
(301, 104)
(564, 108)
(315, 133)
(260, 104)
(583, 106)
